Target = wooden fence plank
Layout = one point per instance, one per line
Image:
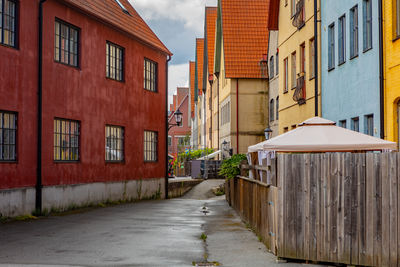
(292, 212)
(306, 215)
(340, 215)
(377, 209)
(299, 189)
(354, 207)
(361, 218)
(333, 209)
(370, 200)
(385, 211)
(280, 205)
(347, 208)
(313, 210)
(392, 181)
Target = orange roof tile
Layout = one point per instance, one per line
(211, 20)
(110, 12)
(192, 75)
(199, 62)
(245, 36)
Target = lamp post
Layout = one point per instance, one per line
(224, 149)
(267, 133)
(178, 118)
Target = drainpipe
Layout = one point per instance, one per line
(217, 75)
(39, 185)
(166, 127)
(316, 54)
(237, 116)
(381, 71)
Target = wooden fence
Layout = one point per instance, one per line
(333, 207)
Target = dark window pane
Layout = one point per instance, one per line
(66, 43)
(8, 136)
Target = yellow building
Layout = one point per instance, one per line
(296, 63)
(391, 50)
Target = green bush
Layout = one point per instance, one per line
(230, 167)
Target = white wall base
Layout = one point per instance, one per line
(21, 201)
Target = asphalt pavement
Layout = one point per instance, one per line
(197, 228)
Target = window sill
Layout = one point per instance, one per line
(66, 161)
(292, 88)
(156, 92)
(68, 65)
(9, 46)
(115, 162)
(331, 68)
(115, 80)
(151, 161)
(341, 63)
(370, 48)
(396, 38)
(285, 92)
(9, 161)
(312, 78)
(353, 57)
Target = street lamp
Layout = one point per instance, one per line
(268, 133)
(178, 118)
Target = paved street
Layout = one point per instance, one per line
(149, 233)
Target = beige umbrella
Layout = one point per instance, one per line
(321, 135)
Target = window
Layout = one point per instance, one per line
(8, 136)
(331, 47)
(271, 110)
(114, 143)
(66, 140)
(277, 63)
(355, 124)
(122, 6)
(294, 72)
(277, 108)
(342, 39)
(343, 123)
(293, 7)
(150, 75)
(225, 113)
(169, 141)
(312, 58)
(271, 67)
(114, 62)
(303, 58)
(354, 32)
(66, 43)
(286, 129)
(150, 146)
(369, 124)
(367, 24)
(397, 16)
(286, 80)
(294, 126)
(8, 22)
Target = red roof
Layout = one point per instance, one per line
(211, 20)
(245, 36)
(192, 73)
(110, 12)
(200, 60)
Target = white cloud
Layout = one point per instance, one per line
(189, 12)
(178, 76)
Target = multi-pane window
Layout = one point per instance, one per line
(150, 75)
(303, 58)
(312, 58)
(8, 22)
(66, 140)
(271, 67)
(354, 32)
(397, 16)
(169, 141)
(342, 39)
(226, 113)
(331, 46)
(355, 124)
(343, 123)
(271, 110)
(66, 43)
(277, 108)
(367, 24)
(114, 62)
(150, 146)
(277, 63)
(286, 80)
(114, 143)
(8, 136)
(369, 125)
(294, 71)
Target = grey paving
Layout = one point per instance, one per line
(150, 233)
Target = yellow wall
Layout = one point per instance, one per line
(290, 39)
(392, 71)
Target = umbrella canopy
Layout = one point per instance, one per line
(321, 135)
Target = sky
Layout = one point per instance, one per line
(177, 23)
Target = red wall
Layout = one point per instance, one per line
(85, 94)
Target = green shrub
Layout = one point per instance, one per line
(230, 167)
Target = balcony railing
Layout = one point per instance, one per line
(298, 20)
(300, 93)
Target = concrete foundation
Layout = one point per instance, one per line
(21, 201)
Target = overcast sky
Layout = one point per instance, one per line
(177, 23)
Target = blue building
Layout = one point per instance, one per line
(350, 64)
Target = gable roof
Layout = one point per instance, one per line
(209, 42)
(110, 12)
(199, 67)
(192, 67)
(245, 36)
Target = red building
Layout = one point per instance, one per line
(103, 100)
(179, 137)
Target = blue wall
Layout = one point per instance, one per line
(351, 89)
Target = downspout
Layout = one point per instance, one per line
(39, 185)
(316, 55)
(381, 72)
(166, 127)
(237, 116)
(217, 75)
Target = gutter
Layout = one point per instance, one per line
(316, 55)
(237, 116)
(381, 72)
(166, 126)
(39, 185)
